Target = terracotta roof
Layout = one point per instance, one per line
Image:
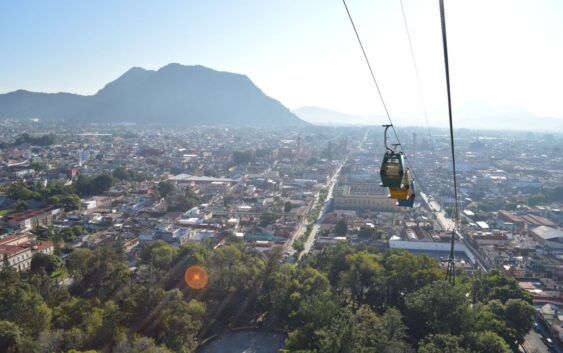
(19, 216)
(12, 250)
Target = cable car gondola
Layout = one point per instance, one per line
(409, 202)
(402, 192)
(392, 167)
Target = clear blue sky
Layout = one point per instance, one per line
(301, 52)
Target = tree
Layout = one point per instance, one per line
(341, 227)
(487, 342)
(299, 245)
(234, 269)
(178, 322)
(21, 205)
(494, 285)
(159, 254)
(139, 344)
(211, 173)
(366, 233)
(70, 202)
(442, 343)
(287, 207)
(104, 273)
(38, 166)
(45, 263)
(88, 185)
(243, 157)
(43, 140)
(82, 185)
(406, 273)
(24, 307)
(182, 203)
(10, 337)
(364, 279)
(312, 321)
(438, 308)
(78, 261)
(332, 328)
(121, 173)
(166, 188)
(519, 316)
(268, 218)
(374, 333)
(54, 200)
(101, 183)
(293, 291)
(20, 191)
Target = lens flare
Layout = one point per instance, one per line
(196, 277)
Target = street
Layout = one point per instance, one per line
(443, 220)
(308, 244)
(534, 343)
(322, 214)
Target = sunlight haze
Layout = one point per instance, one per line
(302, 53)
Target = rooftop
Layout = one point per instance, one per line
(548, 233)
(204, 179)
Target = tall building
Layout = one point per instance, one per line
(82, 156)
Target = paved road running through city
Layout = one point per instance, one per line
(326, 206)
(322, 214)
(534, 343)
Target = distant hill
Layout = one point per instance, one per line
(322, 116)
(191, 95)
(475, 115)
(479, 115)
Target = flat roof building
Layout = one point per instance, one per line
(548, 236)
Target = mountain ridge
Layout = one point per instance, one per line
(473, 115)
(175, 93)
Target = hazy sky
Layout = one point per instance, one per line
(301, 52)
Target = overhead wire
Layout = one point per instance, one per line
(451, 263)
(421, 95)
(380, 94)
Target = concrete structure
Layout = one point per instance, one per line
(17, 256)
(32, 218)
(187, 179)
(549, 237)
(430, 246)
(18, 249)
(363, 196)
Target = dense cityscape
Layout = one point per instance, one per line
(292, 176)
(101, 219)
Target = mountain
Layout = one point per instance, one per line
(474, 115)
(480, 115)
(178, 94)
(322, 116)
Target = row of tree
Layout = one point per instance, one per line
(325, 304)
(56, 192)
(122, 173)
(344, 299)
(177, 200)
(42, 140)
(59, 192)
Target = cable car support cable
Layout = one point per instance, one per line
(376, 84)
(450, 275)
(421, 95)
